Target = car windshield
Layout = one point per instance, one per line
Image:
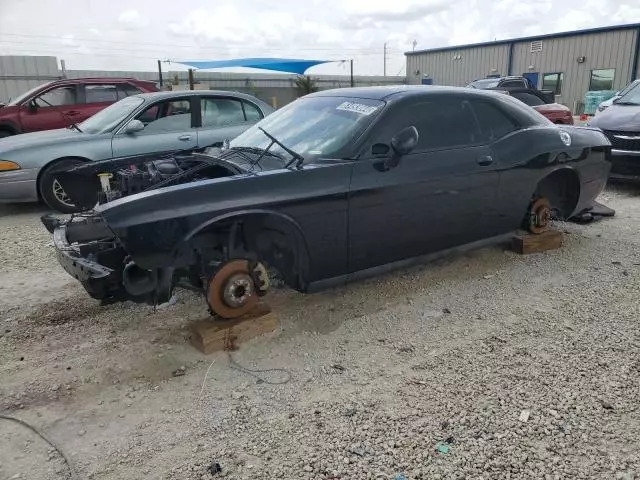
(21, 98)
(313, 127)
(107, 119)
(629, 87)
(485, 83)
(631, 97)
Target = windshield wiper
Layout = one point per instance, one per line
(627, 103)
(257, 151)
(299, 159)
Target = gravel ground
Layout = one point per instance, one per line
(489, 365)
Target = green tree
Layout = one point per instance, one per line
(305, 85)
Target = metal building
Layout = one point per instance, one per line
(570, 63)
(20, 73)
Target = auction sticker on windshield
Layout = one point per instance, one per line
(357, 108)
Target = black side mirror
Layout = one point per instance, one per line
(405, 141)
(33, 106)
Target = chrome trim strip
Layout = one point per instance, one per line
(631, 153)
(626, 137)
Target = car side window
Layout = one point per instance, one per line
(167, 116)
(442, 123)
(58, 97)
(100, 93)
(513, 83)
(495, 123)
(446, 123)
(252, 113)
(528, 99)
(126, 90)
(221, 112)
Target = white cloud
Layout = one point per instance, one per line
(319, 29)
(132, 19)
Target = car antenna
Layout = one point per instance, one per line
(296, 156)
(66, 117)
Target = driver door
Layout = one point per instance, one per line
(56, 108)
(439, 196)
(169, 126)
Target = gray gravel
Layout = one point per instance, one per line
(489, 365)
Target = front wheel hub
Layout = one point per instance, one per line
(231, 290)
(540, 216)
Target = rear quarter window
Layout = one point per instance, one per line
(525, 117)
(495, 123)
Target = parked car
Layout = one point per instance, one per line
(607, 103)
(139, 124)
(62, 102)
(501, 82)
(336, 186)
(511, 83)
(621, 124)
(555, 112)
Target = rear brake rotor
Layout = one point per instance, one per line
(540, 216)
(232, 291)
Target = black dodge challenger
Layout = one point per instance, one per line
(338, 185)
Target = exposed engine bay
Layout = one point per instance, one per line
(100, 182)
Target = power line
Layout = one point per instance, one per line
(164, 45)
(25, 47)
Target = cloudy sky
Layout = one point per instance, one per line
(128, 35)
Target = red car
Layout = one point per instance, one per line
(62, 102)
(555, 112)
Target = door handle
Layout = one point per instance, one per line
(72, 112)
(184, 138)
(485, 160)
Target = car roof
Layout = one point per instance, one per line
(394, 92)
(191, 93)
(98, 80)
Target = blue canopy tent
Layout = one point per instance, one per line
(288, 65)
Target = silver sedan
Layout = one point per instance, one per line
(139, 124)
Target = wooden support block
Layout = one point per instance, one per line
(212, 335)
(525, 243)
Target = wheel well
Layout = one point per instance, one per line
(51, 164)
(562, 189)
(8, 128)
(266, 237)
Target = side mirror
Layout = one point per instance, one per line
(134, 126)
(404, 141)
(32, 106)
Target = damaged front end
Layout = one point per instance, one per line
(97, 183)
(89, 251)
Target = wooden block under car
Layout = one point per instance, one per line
(213, 335)
(525, 243)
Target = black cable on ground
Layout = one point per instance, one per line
(254, 372)
(74, 475)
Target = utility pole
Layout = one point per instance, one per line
(351, 63)
(160, 73)
(384, 57)
(191, 79)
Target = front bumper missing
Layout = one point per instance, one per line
(95, 278)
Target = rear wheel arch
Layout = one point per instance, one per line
(266, 236)
(8, 129)
(562, 189)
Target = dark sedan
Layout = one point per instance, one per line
(621, 124)
(336, 186)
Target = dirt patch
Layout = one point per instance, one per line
(383, 373)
